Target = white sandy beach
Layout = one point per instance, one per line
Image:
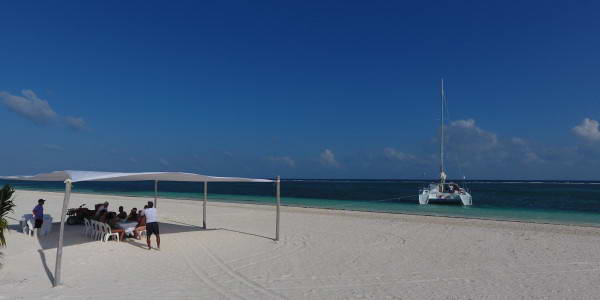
(322, 254)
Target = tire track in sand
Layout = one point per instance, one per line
(239, 277)
(280, 245)
(200, 273)
(296, 249)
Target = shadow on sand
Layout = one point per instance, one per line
(224, 229)
(73, 236)
(45, 264)
(247, 233)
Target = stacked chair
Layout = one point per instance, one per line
(98, 231)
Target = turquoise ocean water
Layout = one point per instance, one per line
(562, 202)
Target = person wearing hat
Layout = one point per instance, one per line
(38, 213)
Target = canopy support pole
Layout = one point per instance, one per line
(57, 279)
(204, 205)
(156, 193)
(278, 194)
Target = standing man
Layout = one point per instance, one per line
(38, 214)
(151, 224)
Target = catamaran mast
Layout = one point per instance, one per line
(442, 173)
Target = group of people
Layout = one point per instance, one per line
(102, 213)
(450, 188)
(147, 219)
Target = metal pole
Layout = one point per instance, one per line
(59, 249)
(442, 138)
(278, 205)
(156, 193)
(204, 205)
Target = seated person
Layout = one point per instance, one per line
(113, 222)
(103, 216)
(122, 214)
(141, 213)
(100, 209)
(133, 216)
(141, 226)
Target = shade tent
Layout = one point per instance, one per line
(76, 176)
(70, 176)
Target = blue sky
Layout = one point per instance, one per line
(323, 89)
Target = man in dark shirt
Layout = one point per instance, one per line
(38, 213)
(122, 214)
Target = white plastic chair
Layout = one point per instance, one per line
(23, 223)
(87, 229)
(90, 228)
(47, 226)
(85, 226)
(108, 233)
(24, 227)
(95, 234)
(102, 231)
(31, 229)
(99, 231)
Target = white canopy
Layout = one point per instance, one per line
(77, 176)
(69, 176)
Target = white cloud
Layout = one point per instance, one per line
(468, 144)
(29, 106)
(327, 158)
(283, 159)
(518, 141)
(588, 129)
(469, 130)
(75, 123)
(164, 162)
(393, 154)
(53, 147)
(469, 123)
(521, 149)
(465, 136)
(532, 157)
(39, 111)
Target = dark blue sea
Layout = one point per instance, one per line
(563, 202)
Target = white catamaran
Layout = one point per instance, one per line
(444, 191)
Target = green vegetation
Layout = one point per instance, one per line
(6, 206)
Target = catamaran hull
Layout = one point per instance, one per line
(426, 197)
(466, 199)
(423, 199)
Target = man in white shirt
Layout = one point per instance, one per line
(151, 224)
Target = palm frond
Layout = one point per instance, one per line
(6, 206)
